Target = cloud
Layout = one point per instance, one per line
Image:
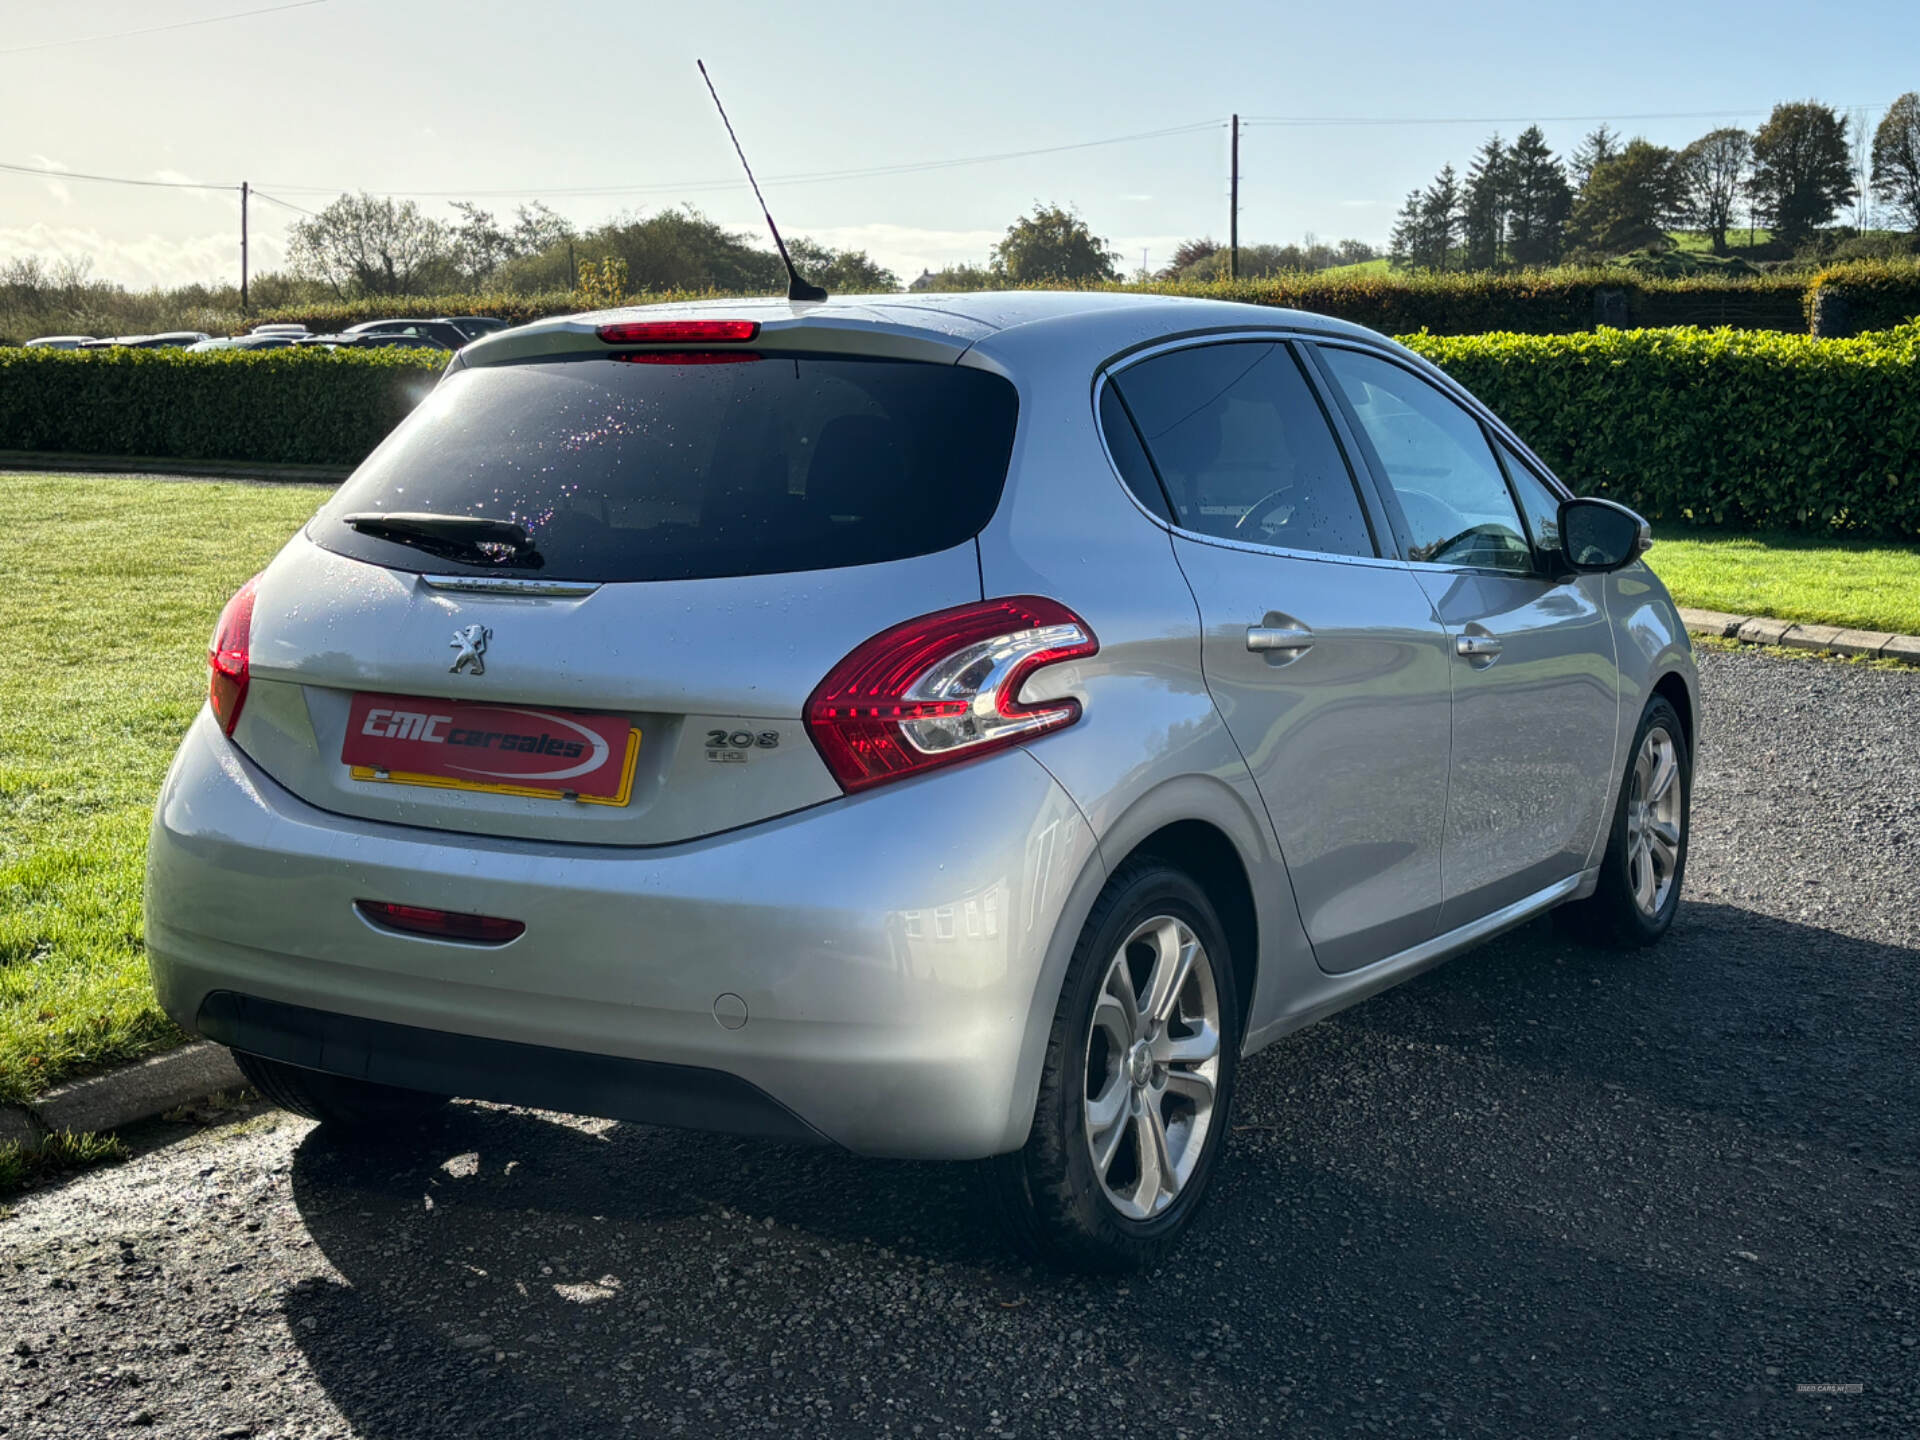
(57, 189)
(906, 249)
(144, 261)
(1361, 204)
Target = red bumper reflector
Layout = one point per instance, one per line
(441, 924)
(678, 332)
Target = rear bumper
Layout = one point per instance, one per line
(501, 1070)
(888, 949)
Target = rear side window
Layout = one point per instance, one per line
(628, 470)
(1244, 449)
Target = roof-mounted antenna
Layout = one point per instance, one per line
(797, 289)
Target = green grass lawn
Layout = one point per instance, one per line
(1794, 577)
(108, 592)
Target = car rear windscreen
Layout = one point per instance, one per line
(692, 467)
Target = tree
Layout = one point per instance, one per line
(1712, 173)
(1600, 145)
(1627, 202)
(1896, 160)
(1053, 245)
(1428, 224)
(360, 245)
(1802, 172)
(1483, 211)
(843, 272)
(1187, 254)
(1539, 201)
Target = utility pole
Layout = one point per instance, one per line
(1233, 215)
(243, 246)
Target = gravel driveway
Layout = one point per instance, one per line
(1541, 1191)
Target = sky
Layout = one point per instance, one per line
(504, 103)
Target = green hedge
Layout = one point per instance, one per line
(1879, 294)
(518, 309)
(1715, 427)
(304, 407)
(1527, 302)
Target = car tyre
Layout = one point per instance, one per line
(1169, 1080)
(336, 1101)
(1646, 860)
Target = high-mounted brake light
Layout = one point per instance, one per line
(227, 658)
(441, 924)
(944, 687)
(679, 332)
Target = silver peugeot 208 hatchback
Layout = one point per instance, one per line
(958, 727)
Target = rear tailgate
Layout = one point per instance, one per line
(707, 537)
(712, 673)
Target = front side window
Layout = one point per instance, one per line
(1243, 448)
(1435, 456)
(1538, 504)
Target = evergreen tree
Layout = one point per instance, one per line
(1484, 201)
(1439, 220)
(1601, 145)
(1539, 201)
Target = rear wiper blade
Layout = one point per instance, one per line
(460, 537)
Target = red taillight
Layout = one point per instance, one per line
(441, 924)
(685, 357)
(227, 658)
(942, 688)
(679, 332)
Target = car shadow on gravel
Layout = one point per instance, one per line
(1788, 1028)
(1360, 1263)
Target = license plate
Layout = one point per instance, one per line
(501, 749)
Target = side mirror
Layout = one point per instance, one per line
(1597, 535)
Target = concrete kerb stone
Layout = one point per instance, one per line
(135, 1092)
(1825, 639)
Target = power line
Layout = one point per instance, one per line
(260, 194)
(40, 173)
(1388, 120)
(798, 178)
(156, 29)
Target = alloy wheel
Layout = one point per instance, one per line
(1654, 820)
(1153, 1066)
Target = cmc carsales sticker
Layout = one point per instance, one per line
(508, 749)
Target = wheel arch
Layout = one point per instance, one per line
(1196, 822)
(1673, 688)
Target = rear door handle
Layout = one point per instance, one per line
(1281, 644)
(1478, 647)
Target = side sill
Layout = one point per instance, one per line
(1362, 984)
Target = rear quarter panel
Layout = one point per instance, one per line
(1150, 748)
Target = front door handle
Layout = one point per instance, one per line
(1477, 649)
(1281, 644)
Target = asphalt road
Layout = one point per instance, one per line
(1543, 1191)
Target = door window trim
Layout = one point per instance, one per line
(1372, 511)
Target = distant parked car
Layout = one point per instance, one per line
(165, 340)
(476, 325)
(291, 331)
(255, 341)
(60, 342)
(449, 335)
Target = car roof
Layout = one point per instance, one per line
(1089, 325)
